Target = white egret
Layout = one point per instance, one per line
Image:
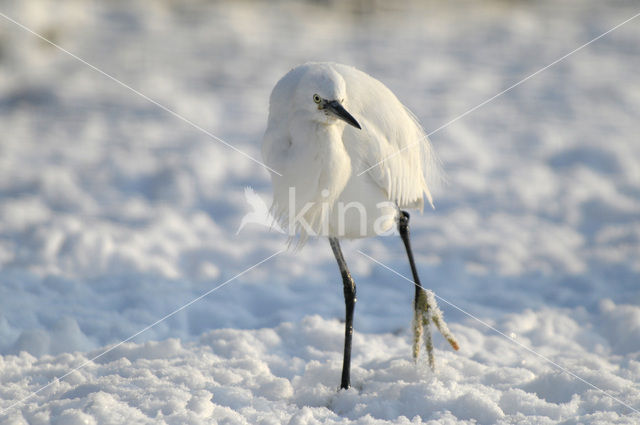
(328, 123)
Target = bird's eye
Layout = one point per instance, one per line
(317, 98)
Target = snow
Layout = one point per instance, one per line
(289, 374)
(114, 214)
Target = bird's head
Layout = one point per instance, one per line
(322, 97)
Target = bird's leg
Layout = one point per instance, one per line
(403, 228)
(425, 308)
(419, 304)
(349, 301)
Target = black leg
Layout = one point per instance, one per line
(350, 302)
(403, 228)
(425, 308)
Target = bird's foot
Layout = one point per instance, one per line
(427, 311)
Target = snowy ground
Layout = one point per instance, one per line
(114, 213)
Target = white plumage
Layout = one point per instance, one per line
(349, 159)
(321, 156)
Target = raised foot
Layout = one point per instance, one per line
(427, 311)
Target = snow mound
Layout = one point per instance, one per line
(290, 374)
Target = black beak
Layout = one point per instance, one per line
(338, 110)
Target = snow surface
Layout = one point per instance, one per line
(114, 214)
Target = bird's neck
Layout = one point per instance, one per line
(320, 164)
(334, 159)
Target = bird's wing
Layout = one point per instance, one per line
(276, 139)
(392, 148)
